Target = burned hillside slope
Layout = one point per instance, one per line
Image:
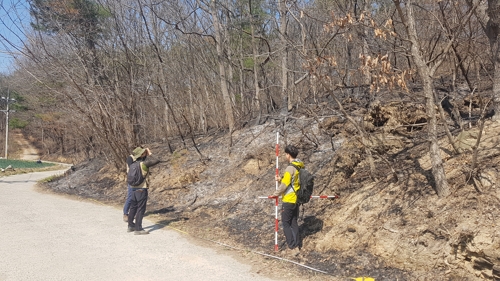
(387, 223)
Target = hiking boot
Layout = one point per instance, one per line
(125, 218)
(141, 232)
(130, 229)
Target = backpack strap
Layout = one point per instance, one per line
(292, 181)
(295, 166)
(300, 204)
(290, 186)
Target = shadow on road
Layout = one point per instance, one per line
(169, 209)
(161, 224)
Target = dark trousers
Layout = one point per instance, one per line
(126, 207)
(289, 216)
(137, 207)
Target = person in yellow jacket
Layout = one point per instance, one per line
(289, 207)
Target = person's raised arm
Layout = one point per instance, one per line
(151, 161)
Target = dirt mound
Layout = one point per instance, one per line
(390, 226)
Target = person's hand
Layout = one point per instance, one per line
(148, 152)
(277, 177)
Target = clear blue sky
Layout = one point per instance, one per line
(14, 17)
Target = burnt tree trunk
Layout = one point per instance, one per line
(425, 72)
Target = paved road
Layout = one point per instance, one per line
(49, 237)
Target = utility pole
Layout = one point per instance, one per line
(8, 101)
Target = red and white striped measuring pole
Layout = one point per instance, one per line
(313, 196)
(276, 199)
(276, 222)
(325, 196)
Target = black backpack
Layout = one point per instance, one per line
(306, 183)
(134, 176)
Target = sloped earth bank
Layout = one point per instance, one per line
(392, 228)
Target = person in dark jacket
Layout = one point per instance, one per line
(131, 159)
(139, 197)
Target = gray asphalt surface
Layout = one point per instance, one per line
(49, 237)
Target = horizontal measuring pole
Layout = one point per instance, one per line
(314, 196)
(325, 196)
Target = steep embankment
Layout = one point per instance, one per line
(388, 224)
